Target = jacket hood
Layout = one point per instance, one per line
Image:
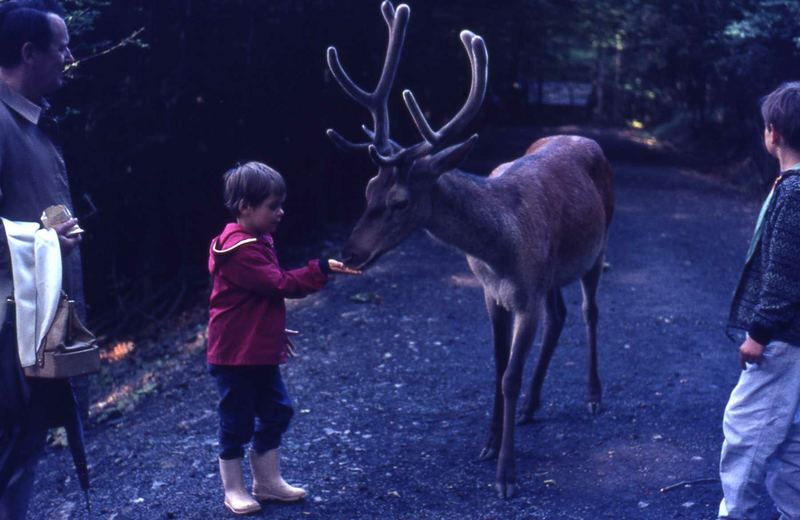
(232, 238)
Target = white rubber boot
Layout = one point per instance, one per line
(237, 499)
(267, 481)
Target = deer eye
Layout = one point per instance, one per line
(398, 205)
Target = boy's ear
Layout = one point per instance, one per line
(775, 137)
(242, 206)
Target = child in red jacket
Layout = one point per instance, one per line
(247, 337)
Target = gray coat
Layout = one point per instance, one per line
(32, 177)
(767, 299)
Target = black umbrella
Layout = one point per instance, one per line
(53, 404)
(74, 428)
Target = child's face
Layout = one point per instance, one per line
(263, 218)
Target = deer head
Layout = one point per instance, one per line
(399, 196)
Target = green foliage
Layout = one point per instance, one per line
(700, 65)
(767, 20)
(82, 15)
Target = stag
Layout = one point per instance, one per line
(532, 226)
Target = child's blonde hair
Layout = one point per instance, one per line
(251, 183)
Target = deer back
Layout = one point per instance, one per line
(546, 215)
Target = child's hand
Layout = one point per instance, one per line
(338, 267)
(750, 352)
(290, 348)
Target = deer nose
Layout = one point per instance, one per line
(351, 257)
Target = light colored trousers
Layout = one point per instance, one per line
(762, 437)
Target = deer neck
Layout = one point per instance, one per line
(465, 214)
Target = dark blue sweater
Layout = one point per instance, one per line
(767, 299)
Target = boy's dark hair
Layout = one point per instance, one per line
(21, 22)
(251, 183)
(781, 109)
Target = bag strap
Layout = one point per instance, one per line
(62, 300)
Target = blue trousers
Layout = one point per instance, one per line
(253, 406)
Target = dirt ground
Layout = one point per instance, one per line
(394, 384)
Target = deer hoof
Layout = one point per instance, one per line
(506, 478)
(505, 490)
(593, 407)
(488, 453)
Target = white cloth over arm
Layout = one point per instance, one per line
(36, 266)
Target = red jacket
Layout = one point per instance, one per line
(246, 314)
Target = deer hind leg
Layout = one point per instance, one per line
(589, 284)
(555, 313)
(524, 329)
(501, 333)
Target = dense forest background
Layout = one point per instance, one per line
(148, 128)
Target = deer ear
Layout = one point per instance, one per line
(452, 156)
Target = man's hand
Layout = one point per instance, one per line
(338, 267)
(750, 352)
(67, 243)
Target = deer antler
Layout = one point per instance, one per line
(479, 65)
(377, 100)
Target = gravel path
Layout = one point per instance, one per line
(393, 394)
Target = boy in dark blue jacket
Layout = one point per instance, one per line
(762, 421)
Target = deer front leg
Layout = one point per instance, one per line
(523, 333)
(589, 284)
(555, 314)
(501, 334)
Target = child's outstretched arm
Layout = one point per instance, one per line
(253, 270)
(328, 266)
